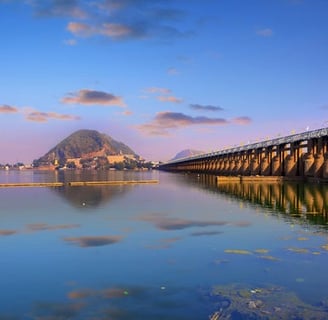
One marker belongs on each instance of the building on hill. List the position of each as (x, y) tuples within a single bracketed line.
[(99, 161)]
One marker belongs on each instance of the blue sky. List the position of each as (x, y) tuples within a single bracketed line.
[(160, 75)]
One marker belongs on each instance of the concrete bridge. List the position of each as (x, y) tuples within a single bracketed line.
[(302, 155)]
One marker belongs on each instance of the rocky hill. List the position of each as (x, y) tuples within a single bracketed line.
[(85, 144), (187, 153)]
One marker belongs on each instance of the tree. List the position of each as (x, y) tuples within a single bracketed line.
[(119, 165), (71, 165), (130, 164)]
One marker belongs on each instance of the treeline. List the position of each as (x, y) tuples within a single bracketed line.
[(14, 166)]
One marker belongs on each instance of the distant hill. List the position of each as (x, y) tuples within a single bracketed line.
[(187, 153), (84, 144)]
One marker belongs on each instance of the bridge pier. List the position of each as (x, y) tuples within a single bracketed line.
[(325, 166), (308, 164), (254, 165), (265, 167)]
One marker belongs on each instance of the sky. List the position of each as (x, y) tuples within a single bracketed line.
[(160, 75)]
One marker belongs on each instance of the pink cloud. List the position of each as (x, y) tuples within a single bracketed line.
[(164, 121), (173, 120), (59, 8), (158, 90), (169, 99), (8, 109), (115, 30), (93, 97), (39, 116), (111, 30), (81, 29), (242, 120), (127, 113)]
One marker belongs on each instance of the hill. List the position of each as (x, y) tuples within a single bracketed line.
[(186, 153), (84, 144)]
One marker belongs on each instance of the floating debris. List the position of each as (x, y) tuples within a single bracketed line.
[(268, 257), (298, 250), (261, 250), (256, 290), (215, 316), (236, 251), (325, 247), (221, 261), (302, 239)]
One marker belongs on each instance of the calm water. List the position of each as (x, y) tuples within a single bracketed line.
[(181, 249)]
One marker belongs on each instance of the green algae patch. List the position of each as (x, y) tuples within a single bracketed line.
[(221, 261), (237, 251), (302, 239), (268, 257), (263, 251), (298, 250), (325, 247), (239, 301)]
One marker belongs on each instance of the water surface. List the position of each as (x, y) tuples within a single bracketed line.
[(160, 251)]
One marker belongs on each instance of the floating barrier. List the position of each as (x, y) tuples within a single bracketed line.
[(269, 179), (105, 183), (32, 184), (75, 183)]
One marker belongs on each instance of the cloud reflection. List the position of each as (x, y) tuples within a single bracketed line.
[(45, 226), (81, 294), (7, 232), (93, 241), (164, 243), (91, 196), (205, 233), (108, 293), (165, 223), (242, 224), (57, 311)]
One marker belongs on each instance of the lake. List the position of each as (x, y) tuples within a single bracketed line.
[(185, 248)]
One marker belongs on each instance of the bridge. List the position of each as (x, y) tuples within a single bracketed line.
[(302, 155)]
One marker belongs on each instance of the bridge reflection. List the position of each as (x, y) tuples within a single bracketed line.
[(300, 200)]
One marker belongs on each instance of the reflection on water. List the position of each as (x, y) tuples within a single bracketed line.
[(308, 201), (78, 196), (90, 196), (185, 248), (13, 176)]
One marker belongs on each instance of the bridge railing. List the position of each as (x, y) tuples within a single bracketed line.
[(298, 137)]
